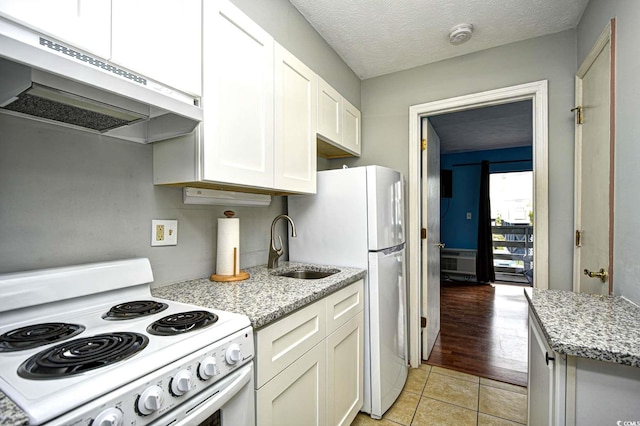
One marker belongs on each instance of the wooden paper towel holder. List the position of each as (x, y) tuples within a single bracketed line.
[(240, 276)]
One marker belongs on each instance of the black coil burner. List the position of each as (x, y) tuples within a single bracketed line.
[(182, 322), (137, 309), (82, 355), (32, 336)]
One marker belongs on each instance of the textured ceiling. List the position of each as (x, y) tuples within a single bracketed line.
[(376, 37), (494, 127)]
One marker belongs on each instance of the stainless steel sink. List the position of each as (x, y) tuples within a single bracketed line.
[(308, 275)]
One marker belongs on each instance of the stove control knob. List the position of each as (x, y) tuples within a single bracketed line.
[(208, 368), (109, 417), (181, 383), (233, 354), (150, 400)]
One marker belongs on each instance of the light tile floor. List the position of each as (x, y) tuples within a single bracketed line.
[(437, 396)]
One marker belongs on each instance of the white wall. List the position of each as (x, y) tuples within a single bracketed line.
[(69, 197), (626, 267), (385, 111)]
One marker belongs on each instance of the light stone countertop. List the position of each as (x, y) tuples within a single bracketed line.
[(604, 328), (264, 297), (10, 413)]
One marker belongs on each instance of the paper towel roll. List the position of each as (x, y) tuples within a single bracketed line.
[(228, 244)]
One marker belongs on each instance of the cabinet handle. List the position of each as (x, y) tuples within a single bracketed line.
[(548, 358)]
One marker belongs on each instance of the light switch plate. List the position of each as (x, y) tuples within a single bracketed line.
[(164, 232), (468, 215)]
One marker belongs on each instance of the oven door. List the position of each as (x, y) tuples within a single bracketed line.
[(229, 402)]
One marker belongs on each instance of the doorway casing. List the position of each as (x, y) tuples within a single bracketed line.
[(537, 92)]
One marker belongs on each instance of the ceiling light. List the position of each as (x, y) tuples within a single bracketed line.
[(460, 33)]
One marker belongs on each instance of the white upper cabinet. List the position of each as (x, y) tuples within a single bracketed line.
[(351, 128), (329, 112), (85, 24), (160, 39), (338, 124), (295, 124), (237, 98)]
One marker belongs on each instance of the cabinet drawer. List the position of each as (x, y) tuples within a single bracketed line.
[(344, 304), (286, 340)]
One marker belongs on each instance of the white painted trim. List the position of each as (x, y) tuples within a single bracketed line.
[(538, 93), (601, 43)]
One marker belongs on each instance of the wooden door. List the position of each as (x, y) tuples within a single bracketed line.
[(295, 152), (237, 98), (594, 171), (431, 245)]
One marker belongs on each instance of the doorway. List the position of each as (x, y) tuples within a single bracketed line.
[(537, 93)]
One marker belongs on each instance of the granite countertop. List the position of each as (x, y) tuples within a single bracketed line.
[(604, 328), (10, 414), (264, 297)]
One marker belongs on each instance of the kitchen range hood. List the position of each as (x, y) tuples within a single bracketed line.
[(45, 80)]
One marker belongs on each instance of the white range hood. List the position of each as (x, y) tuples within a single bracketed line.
[(45, 80)]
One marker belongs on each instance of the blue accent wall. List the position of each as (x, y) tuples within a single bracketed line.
[(456, 231)]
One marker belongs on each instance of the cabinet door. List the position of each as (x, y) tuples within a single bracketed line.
[(329, 112), (160, 39), (296, 396), (295, 124), (281, 343), (351, 128), (85, 24), (344, 304), (345, 369), (237, 98), (541, 378)]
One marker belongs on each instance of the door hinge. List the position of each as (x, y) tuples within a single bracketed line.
[(423, 234), (424, 144), (579, 115), (423, 322), (578, 238)]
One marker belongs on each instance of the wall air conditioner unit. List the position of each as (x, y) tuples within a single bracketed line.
[(458, 262), (224, 198)]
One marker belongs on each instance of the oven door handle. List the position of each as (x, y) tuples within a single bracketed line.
[(213, 403)]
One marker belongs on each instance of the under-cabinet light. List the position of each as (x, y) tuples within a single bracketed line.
[(224, 198)]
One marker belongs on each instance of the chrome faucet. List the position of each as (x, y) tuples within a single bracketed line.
[(275, 253)]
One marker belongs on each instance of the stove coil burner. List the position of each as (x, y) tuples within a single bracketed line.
[(32, 336), (81, 355), (182, 322), (137, 309)]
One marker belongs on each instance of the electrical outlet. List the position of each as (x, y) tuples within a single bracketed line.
[(164, 232), (468, 215)]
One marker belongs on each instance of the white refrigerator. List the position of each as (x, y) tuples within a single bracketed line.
[(357, 219)]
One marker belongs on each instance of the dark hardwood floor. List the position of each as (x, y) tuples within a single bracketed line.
[(483, 331)]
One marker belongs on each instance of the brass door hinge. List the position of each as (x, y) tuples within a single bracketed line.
[(423, 234), (578, 238), (424, 144), (423, 322), (579, 115)]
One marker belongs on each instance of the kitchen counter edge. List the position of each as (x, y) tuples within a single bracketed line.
[(603, 328), (10, 413), (265, 297)]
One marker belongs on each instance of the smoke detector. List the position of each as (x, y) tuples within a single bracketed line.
[(460, 33)]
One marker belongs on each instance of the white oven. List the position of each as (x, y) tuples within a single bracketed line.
[(89, 345)]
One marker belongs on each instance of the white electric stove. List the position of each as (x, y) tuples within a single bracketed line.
[(88, 344)]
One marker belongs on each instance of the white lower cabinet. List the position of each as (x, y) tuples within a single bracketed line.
[(320, 385), (570, 390), (344, 372), (296, 396)]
